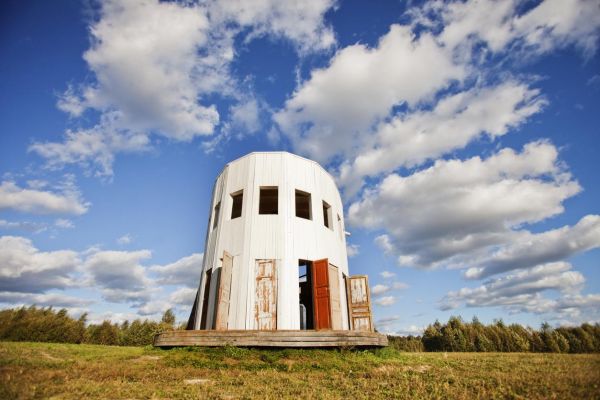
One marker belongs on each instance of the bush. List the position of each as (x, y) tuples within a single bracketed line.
[(105, 333), (48, 325), (457, 335), (41, 325), (33, 324), (406, 343)]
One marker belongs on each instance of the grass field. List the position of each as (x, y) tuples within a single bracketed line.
[(43, 370)]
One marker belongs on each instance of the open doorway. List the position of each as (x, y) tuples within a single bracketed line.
[(205, 298), (305, 294)]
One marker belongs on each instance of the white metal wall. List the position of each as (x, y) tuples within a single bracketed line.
[(283, 237)]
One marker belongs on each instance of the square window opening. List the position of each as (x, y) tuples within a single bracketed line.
[(237, 199), (216, 215), (268, 203), (303, 205), (327, 215)]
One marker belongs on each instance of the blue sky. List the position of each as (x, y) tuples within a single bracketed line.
[(464, 138)]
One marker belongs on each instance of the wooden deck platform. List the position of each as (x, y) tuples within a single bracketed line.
[(281, 338)]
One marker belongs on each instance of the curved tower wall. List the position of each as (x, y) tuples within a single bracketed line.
[(283, 237)]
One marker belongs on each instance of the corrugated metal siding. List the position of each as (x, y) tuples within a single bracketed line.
[(282, 237)]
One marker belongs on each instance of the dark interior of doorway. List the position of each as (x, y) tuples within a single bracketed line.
[(205, 298), (306, 295)]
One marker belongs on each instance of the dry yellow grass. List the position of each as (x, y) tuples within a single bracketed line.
[(66, 371)]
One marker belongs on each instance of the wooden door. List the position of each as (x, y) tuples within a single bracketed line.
[(321, 297), (224, 292), (359, 303), (334, 298), (265, 306)]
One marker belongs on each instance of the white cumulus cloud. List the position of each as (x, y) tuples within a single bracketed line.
[(534, 249), (385, 301), (352, 250), (330, 112), (27, 226), (549, 25), (184, 296), (25, 268), (154, 66), (185, 271), (459, 208), (125, 239), (120, 275), (66, 200), (456, 120), (522, 291)]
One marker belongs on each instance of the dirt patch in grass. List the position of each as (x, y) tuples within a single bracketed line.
[(49, 357), (147, 358), (197, 381)]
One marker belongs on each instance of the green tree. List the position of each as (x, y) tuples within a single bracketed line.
[(168, 318), (105, 333), (432, 337)]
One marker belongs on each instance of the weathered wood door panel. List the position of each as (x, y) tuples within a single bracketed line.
[(224, 292), (265, 306), (334, 292), (359, 303), (322, 301)]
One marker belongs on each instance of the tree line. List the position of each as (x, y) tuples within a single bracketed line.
[(457, 335), (36, 324)]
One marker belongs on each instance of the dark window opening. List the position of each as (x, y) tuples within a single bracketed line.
[(303, 205), (268, 201), (327, 215), (305, 294), (216, 216), (236, 207)]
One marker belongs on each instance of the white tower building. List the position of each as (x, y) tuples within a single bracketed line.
[(275, 255)]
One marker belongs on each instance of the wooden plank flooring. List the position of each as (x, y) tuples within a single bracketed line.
[(280, 338)]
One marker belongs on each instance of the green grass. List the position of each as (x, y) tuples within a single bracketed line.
[(67, 371)]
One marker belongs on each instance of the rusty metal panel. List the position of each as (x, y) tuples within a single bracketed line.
[(334, 294), (265, 307), (224, 292), (321, 302), (359, 303)]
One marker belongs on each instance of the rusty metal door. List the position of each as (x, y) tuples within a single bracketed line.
[(321, 299), (334, 295), (359, 303), (265, 306), (224, 292)]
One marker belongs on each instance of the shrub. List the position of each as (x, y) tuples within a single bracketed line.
[(457, 335), (47, 325), (41, 325)]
